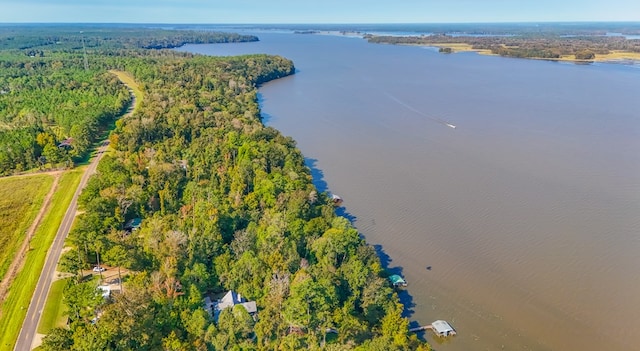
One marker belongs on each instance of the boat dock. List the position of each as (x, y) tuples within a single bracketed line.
[(440, 327), (337, 200), (397, 281)]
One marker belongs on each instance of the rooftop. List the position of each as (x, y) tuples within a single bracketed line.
[(443, 328), (230, 299), (133, 224), (397, 280)]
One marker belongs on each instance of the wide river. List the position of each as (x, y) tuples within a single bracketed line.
[(521, 225)]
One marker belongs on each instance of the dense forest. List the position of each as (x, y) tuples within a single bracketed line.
[(531, 45), (43, 104), (226, 204), (38, 39), (52, 104)]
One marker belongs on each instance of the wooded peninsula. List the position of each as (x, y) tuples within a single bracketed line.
[(566, 43), (196, 198)]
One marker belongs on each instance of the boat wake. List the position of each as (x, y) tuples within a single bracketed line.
[(411, 108)]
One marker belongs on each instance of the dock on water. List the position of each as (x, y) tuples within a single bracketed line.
[(440, 327)]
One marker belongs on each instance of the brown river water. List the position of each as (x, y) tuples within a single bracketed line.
[(520, 226)]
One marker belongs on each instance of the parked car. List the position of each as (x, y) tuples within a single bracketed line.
[(99, 269)]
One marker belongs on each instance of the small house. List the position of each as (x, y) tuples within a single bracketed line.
[(66, 144), (230, 299)]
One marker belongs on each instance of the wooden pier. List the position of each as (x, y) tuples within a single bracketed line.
[(421, 328)]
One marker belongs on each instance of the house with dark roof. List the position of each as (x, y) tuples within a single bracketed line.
[(230, 299)]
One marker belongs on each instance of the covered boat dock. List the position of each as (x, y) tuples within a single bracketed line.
[(440, 327), (397, 281)]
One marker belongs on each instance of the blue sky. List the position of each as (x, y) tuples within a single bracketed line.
[(317, 11)]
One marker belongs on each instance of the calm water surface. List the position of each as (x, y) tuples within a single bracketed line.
[(526, 212)]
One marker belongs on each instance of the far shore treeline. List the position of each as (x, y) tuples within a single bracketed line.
[(541, 45), (225, 202), (566, 41)]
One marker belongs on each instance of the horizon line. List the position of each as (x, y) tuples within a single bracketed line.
[(336, 23)]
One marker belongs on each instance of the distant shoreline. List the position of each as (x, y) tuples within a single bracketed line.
[(557, 45), (615, 56)]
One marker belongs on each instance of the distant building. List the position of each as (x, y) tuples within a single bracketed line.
[(230, 299), (66, 144)]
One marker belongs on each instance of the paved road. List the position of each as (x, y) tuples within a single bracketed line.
[(28, 331), (31, 321)]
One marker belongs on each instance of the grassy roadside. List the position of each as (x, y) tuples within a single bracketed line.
[(20, 201), (128, 80), (53, 314), (54, 310), (14, 308)]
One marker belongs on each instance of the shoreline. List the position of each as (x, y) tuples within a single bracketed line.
[(616, 56)]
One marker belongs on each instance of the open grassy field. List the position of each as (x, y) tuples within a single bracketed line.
[(618, 55), (461, 47), (20, 201), (54, 311), (14, 308)]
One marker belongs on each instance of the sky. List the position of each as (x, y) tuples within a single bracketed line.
[(316, 11)]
